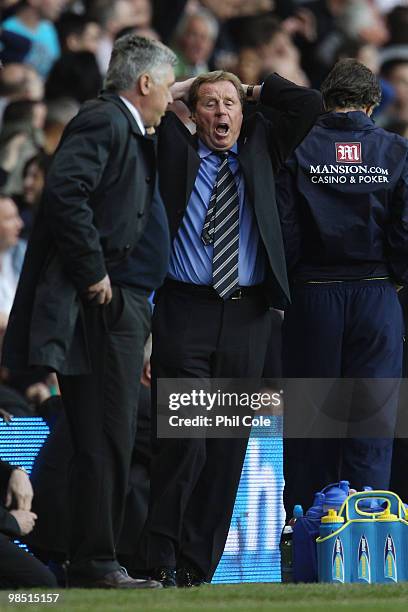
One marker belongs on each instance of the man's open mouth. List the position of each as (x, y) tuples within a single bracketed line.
[(222, 129)]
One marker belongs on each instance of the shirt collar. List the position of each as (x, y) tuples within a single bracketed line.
[(346, 121), (135, 113), (204, 151)]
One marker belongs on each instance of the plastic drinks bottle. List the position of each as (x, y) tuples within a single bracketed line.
[(286, 546)]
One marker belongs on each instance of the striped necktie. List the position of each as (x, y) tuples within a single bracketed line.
[(221, 228)]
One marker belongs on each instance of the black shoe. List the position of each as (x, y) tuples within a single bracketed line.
[(187, 577), (118, 579), (166, 576)]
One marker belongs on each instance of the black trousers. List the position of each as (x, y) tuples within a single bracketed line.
[(349, 330), (101, 411), (194, 481), (19, 569)]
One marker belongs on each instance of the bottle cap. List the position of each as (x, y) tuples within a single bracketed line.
[(386, 516), (297, 511), (332, 517)]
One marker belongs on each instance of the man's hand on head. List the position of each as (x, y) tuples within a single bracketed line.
[(180, 90), (19, 490), (101, 292)]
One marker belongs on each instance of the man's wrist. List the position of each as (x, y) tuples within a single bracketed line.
[(252, 92), (21, 468)]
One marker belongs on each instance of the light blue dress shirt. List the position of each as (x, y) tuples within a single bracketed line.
[(191, 260)]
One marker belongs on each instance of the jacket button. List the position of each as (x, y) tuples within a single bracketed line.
[(127, 247), (148, 179)]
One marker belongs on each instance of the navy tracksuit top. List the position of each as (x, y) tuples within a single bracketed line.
[(343, 200)]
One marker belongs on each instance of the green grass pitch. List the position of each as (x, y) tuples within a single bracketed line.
[(234, 598)]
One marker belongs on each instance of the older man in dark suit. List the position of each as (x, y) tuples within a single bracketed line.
[(82, 304), (211, 317)]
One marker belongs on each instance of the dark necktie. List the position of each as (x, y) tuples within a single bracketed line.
[(221, 227)]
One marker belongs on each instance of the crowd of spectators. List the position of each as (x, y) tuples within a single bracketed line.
[(55, 54)]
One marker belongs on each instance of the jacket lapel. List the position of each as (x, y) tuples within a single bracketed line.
[(245, 161), (193, 164), (115, 99)]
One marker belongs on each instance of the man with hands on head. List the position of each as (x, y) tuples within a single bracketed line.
[(212, 318), (18, 568), (97, 251)]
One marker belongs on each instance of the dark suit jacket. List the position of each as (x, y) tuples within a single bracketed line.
[(95, 205), (267, 139)]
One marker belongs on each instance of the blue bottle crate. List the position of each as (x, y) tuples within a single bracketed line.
[(369, 543)]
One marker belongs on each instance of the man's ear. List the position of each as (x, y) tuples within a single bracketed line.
[(145, 83)]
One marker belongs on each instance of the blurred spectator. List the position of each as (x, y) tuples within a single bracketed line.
[(368, 54), (146, 32), (59, 112), (33, 183), (397, 21), (142, 13), (12, 250), (13, 47), (362, 19), (19, 82), (396, 73), (194, 43), (21, 117), (78, 33), (400, 128), (397, 49), (33, 19), (276, 50), (10, 157), (113, 16), (228, 9), (249, 66), (19, 391), (316, 26), (75, 75), (165, 22)]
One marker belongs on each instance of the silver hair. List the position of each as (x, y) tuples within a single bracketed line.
[(131, 57), (200, 14)]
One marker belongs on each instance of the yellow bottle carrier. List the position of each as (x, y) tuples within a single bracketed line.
[(366, 541)]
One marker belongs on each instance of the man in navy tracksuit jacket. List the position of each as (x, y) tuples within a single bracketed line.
[(344, 211)]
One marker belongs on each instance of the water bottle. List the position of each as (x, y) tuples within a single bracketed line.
[(316, 510), (286, 546), (335, 494), (330, 522)]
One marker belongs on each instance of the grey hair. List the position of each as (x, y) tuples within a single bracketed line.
[(133, 56), (200, 14)]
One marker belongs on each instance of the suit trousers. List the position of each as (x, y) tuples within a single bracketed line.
[(101, 410), (194, 481), (345, 330)]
